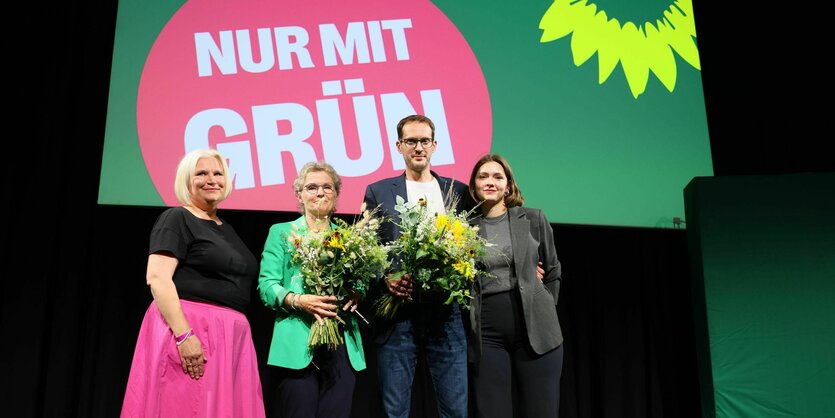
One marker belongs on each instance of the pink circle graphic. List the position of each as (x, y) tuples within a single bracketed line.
[(273, 85)]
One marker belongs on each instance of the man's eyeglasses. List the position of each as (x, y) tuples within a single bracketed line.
[(412, 142), (313, 188)]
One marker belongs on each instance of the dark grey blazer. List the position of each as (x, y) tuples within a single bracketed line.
[(532, 239)]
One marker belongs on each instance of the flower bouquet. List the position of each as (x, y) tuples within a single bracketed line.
[(438, 251), (338, 262)]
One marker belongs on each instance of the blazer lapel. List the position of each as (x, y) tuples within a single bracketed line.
[(398, 188), (444, 182), (301, 225), (448, 193)]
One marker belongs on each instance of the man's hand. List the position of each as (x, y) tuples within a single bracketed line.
[(401, 287), (352, 301)]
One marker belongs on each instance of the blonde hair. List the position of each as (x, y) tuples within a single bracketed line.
[(187, 167)]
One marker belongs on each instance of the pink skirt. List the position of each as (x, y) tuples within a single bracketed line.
[(230, 386)]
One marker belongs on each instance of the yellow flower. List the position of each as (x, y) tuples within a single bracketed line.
[(464, 268), (457, 229), (335, 241), (441, 221)]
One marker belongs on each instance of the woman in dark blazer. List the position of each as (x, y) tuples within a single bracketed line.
[(515, 347)]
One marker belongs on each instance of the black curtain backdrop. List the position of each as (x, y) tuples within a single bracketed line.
[(72, 320), (73, 292)]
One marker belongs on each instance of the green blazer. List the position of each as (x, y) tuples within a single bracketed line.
[(279, 276)]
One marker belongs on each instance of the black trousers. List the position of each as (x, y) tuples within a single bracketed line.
[(324, 389), (511, 380)]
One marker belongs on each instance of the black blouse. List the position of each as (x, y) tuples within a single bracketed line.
[(215, 266)]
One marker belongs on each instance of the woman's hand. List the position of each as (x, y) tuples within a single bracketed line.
[(191, 357), (318, 306)]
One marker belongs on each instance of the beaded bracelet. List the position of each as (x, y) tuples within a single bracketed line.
[(180, 339), (295, 300)]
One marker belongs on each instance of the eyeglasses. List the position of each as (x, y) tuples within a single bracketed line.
[(412, 142), (313, 188)]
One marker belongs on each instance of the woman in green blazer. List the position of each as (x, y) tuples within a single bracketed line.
[(311, 383)]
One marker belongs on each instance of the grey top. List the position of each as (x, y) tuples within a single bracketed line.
[(499, 261), (532, 239)]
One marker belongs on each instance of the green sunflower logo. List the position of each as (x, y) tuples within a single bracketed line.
[(640, 48)]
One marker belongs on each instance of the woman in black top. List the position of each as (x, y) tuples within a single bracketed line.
[(194, 356)]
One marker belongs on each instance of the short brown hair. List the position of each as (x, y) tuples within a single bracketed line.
[(514, 195), (416, 119)]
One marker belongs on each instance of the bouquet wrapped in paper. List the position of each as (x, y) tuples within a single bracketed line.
[(438, 251), (337, 262)]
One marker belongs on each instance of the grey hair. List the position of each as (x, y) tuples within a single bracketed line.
[(312, 167)]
